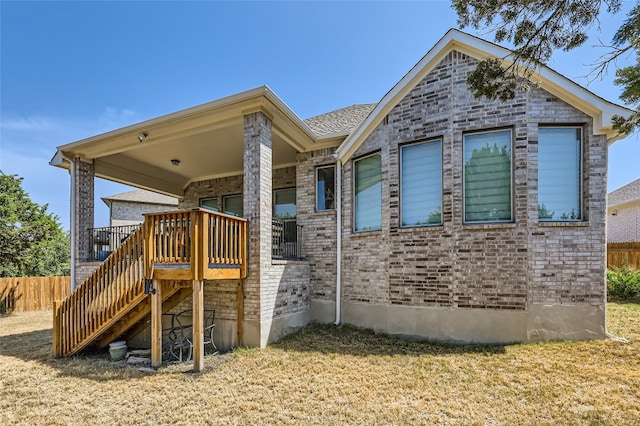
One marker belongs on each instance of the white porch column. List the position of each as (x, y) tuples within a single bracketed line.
[(258, 184), (82, 213)]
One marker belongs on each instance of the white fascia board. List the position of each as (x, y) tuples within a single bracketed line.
[(239, 100), (565, 89)]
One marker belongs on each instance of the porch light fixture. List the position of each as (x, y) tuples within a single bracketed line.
[(175, 162), (142, 136)]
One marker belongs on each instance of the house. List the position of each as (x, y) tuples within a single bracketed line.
[(623, 214), (128, 208), (430, 214)]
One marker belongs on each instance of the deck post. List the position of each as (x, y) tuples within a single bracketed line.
[(198, 325), (240, 320), (156, 325)]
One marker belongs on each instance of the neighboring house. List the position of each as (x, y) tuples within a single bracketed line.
[(128, 208), (623, 221), (430, 214)]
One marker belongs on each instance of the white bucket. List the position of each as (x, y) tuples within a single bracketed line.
[(118, 350)]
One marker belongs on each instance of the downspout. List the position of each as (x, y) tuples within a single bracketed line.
[(338, 237)]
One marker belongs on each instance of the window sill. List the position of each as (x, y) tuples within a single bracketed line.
[(288, 261), (366, 233), (482, 226), (563, 224), (325, 212), (434, 228)]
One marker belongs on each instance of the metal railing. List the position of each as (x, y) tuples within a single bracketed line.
[(286, 239), (104, 241)]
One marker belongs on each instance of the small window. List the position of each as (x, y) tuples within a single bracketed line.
[(210, 203), (284, 204), (421, 184), (368, 193), (487, 176), (232, 204), (325, 188), (559, 174)]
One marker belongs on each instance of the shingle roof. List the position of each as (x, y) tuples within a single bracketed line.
[(142, 196), (339, 121), (625, 194)]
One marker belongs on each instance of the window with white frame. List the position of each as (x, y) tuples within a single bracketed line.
[(421, 184), (487, 176), (367, 177), (325, 188), (232, 204), (284, 204), (559, 173)]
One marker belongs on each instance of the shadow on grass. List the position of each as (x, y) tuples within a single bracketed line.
[(350, 340), (91, 364)]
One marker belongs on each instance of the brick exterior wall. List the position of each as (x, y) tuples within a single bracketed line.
[(624, 226), (83, 188), (503, 266), (130, 213), (319, 228)]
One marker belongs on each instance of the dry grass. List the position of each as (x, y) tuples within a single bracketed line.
[(328, 375)]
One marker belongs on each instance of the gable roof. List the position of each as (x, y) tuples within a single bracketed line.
[(627, 194), (598, 108), (340, 121), (142, 196)]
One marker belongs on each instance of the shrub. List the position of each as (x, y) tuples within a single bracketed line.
[(623, 282)]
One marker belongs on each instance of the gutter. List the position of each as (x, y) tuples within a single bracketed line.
[(338, 237)]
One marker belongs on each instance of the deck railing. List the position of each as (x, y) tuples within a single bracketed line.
[(286, 239), (105, 240), (101, 299), (196, 239)]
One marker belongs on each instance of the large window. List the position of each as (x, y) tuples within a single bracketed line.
[(421, 184), (325, 188), (232, 204), (368, 193), (210, 203), (487, 176), (284, 205), (559, 173)]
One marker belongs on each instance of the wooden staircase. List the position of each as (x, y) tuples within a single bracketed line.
[(171, 248)]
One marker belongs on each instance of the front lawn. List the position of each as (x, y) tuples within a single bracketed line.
[(329, 375)]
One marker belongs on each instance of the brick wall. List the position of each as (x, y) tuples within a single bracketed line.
[(319, 228), (128, 213), (498, 266), (624, 226)]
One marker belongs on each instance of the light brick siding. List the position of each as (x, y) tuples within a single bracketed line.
[(129, 213), (496, 266), (84, 191), (624, 226), (319, 228)]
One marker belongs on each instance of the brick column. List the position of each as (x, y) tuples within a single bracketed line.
[(82, 188), (258, 184)]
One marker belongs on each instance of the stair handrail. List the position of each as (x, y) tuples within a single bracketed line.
[(101, 298)]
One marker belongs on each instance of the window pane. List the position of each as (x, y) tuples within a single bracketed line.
[(325, 188), (487, 176), (211, 203), (368, 193), (233, 205), (421, 180), (559, 173), (285, 204)]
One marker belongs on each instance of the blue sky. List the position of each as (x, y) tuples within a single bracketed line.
[(70, 70)]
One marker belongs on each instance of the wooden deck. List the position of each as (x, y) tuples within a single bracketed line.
[(187, 246)]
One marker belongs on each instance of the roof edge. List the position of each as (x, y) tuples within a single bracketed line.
[(598, 108)]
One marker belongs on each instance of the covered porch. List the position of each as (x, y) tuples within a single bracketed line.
[(237, 152)]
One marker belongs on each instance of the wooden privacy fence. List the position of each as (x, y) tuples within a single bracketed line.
[(24, 294), (618, 252)]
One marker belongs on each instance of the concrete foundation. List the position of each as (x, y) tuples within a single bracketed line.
[(538, 323)]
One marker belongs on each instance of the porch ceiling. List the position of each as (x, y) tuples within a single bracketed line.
[(208, 140)]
